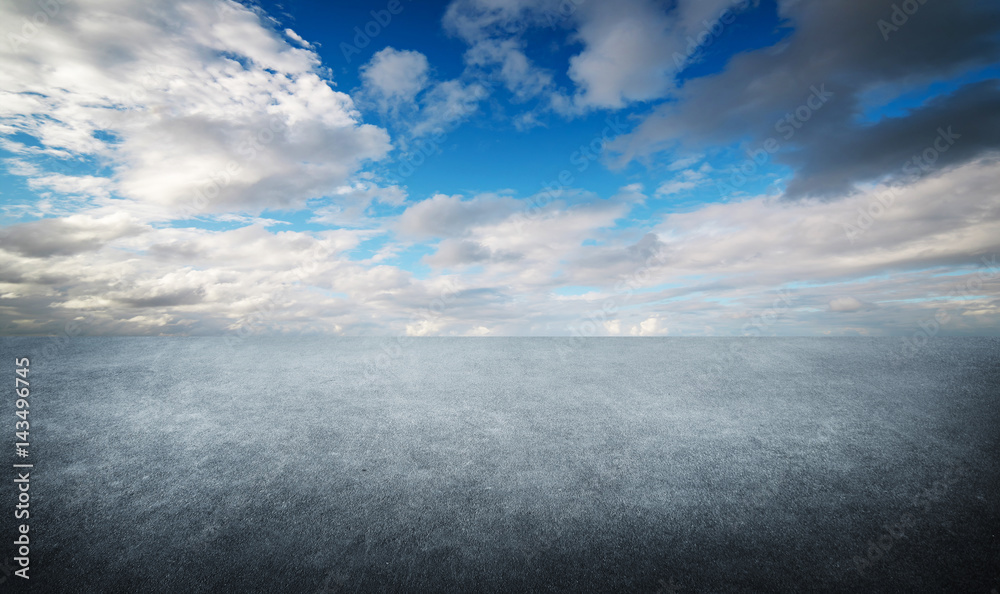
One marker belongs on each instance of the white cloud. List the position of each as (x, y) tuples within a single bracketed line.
[(347, 206), (446, 104), (767, 241), (395, 76), (651, 326), (459, 252), (422, 328), (227, 107), (298, 39), (846, 303), (399, 83), (632, 48), (451, 216), (226, 117), (685, 162), (519, 75), (717, 266), (626, 55), (494, 31), (685, 180), (632, 193)]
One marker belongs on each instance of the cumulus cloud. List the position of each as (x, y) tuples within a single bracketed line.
[(446, 104), (395, 76), (515, 70), (194, 281), (946, 131), (495, 34), (651, 326), (348, 206), (722, 265), (444, 216), (226, 117), (940, 220), (399, 83), (632, 50)]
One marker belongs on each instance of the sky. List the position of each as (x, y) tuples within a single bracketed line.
[(500, 168)]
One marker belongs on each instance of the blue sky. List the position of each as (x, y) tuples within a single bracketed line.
[(499, 167)]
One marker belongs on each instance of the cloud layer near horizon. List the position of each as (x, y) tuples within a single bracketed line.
[(160, 144)]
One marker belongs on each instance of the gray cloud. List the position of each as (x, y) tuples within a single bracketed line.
[(450, 216), (839, 44), (714, 266), (620, 260), (72, 235), (189, 296), (224, 117), (453, 252), (947, 131)]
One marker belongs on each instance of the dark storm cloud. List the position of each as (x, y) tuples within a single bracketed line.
[(840, 45), (948, 130)]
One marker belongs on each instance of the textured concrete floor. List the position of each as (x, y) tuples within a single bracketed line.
[(499, 465)]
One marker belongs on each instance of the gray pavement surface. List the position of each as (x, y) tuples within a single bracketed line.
[(508, 464)]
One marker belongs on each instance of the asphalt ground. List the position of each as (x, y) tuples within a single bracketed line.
[(506, 465)]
